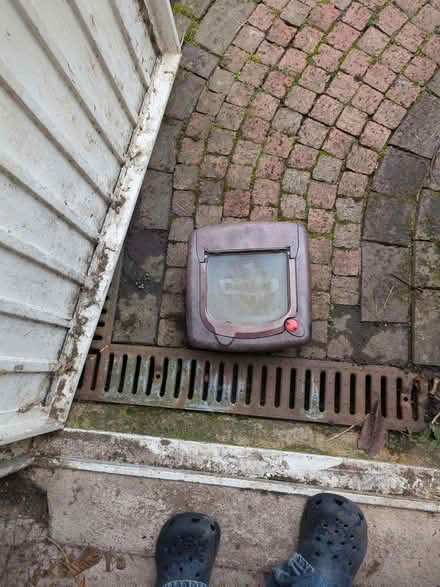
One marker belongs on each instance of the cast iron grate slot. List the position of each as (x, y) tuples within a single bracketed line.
[(415, 393), (269, 386), (367, 394), (136, 374), (383, 396), (307, 388), (337, 393), (178, 378), (95, 371), (221, 374), (352, 393), (263, 386), (150, 377), (399, 398), (234, 387), (249, 380), (192, 379), (164, 377), (322, 390), (109, 372), (278, 387), (292, 389), (206, 381), (122, 375)]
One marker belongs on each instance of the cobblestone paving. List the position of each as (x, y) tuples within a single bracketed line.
[(322, 112)]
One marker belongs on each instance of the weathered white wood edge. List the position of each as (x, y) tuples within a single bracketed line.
[(164, 26), (367, 482), (14, 465), (17, 426)]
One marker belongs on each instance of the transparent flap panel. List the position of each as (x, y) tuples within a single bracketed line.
[(248, 288)]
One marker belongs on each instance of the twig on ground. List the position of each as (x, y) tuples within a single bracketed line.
[(63, 552), (341, 433), (419, 289), (387, 298)]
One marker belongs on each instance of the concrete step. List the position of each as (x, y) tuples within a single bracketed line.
[(124, 514), (114, 492), (28, 556)]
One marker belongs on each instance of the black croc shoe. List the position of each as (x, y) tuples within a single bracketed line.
[(333, 538), (186, 549)]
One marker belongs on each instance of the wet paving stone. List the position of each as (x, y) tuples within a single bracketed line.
[(400, 174), (384, 297)]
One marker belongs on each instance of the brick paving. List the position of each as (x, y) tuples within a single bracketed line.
[(286, 110)]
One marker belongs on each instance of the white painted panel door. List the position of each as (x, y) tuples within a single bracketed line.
[(83, 87)]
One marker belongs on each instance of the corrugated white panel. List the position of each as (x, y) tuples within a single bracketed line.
[(138, 43), (26, 146), (26, 282), (20, 338), (102, 28), (75, 77), (22, 390), (30, 221)]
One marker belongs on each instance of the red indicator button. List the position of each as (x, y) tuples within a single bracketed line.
[(291, 325)]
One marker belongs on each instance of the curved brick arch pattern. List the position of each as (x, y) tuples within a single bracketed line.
[(288, 110)]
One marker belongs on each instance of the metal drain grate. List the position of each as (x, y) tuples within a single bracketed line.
[(271, 387)]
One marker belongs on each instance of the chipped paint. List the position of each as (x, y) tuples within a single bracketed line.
[(368, 482)]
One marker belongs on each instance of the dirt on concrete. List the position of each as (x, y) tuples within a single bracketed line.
[(20, 497)]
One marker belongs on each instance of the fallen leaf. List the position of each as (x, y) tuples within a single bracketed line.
[(372, 437), (88, 559)]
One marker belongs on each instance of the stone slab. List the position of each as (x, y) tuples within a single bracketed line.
[(387, 344), (365, 342), (426, 331), (400, 174), (28, 558), (428, 222), (384, 298), (154, 202), (427, 264), (420, 131), (388, 220), (433, 179), (184, 95), (197, 7), (138, 306), (222, 22), (434, 84), (259, 528), (198, 61), (164, 153), (344, 324), (182, 25)]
